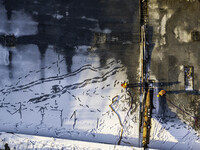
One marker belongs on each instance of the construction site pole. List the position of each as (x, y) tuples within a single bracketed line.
[(145, 107)]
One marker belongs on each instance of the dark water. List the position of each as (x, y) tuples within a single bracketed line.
[(66, 24)]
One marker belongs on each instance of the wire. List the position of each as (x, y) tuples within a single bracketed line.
[(197, 119)]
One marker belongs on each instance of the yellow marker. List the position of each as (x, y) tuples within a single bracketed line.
[(161, 93), (124, 85)]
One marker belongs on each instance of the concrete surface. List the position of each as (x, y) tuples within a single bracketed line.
[(172, 48)]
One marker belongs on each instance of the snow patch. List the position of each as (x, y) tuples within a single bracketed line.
[(73, 105), (4, 56), (98, 29), (155, 15), (82, 49), (153, 4), (35, 13), (181, 68), (164, 20), (21, 141), (172, 134), (107, 31), (89, 19), (58, 16), (182, 35)]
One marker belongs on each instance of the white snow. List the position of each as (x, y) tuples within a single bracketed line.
[(182, 35), (164, 20), (4, 55), (153, 4), (188, 88), (107, 31), (167, 131), (155, 15), (35, 12), (71, 105), (173, 134), (98, 29), (89, 19), (58, 16), (20, 141)]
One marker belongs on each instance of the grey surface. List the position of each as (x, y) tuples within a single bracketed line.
[(177, 54)]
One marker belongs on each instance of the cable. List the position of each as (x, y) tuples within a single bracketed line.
[(197, 119)]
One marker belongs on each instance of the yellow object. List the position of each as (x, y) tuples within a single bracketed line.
[(144, 141), (148, 103), (124, 85), (161, 93), (144, 134), (146, 119)]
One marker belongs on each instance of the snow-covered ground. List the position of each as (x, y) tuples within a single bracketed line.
[(169, 132), (71, 105), (20, 141)]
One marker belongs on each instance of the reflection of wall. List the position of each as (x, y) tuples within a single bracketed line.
[(66, 24)]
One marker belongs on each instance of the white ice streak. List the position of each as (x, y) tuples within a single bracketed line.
[(4, 56), (58, 16), (164, 20), (20, 141), (89, 19), (98, 29)]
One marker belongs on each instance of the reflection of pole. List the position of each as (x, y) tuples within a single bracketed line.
[(42, 49), (142, 56), (42, 111), (10, 64), (61, 117), (20, 110), (142, 78)]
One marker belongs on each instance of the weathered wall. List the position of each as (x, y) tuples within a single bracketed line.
[(173, 48)]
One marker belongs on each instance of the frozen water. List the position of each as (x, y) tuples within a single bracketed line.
[(47, 100)]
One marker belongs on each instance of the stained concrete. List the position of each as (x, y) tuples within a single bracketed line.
[(172, 49)]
